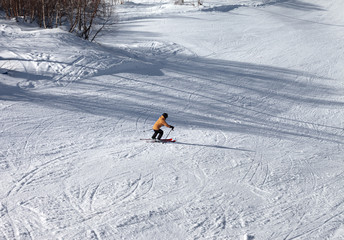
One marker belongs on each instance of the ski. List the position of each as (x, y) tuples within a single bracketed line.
[(164, 140), (167, 140)]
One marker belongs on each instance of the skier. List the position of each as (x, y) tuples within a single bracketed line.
[(158, 124)]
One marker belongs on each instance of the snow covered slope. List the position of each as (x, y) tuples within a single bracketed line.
[(253, 88)]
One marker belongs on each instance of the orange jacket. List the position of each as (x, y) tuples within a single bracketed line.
[(161, 121)]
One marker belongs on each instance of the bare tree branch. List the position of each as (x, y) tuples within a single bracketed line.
[(84, 17)]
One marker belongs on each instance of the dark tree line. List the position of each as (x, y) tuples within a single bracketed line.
[(85, 17)]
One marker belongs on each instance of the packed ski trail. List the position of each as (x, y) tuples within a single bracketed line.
[(253, 88)]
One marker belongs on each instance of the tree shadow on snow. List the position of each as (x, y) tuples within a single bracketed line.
[(223, 8), (24, 75), (297, 4), (200, 93)]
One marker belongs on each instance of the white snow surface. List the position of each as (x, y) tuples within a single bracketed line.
[(255, 90)]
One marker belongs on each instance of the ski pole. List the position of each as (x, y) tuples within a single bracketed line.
[(169, 133)]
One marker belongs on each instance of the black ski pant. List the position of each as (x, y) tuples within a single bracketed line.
[(156, 132)]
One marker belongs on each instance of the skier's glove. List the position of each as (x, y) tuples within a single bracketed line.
[(172, 127)]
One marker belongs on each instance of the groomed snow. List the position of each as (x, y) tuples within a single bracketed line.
[(255, 90)]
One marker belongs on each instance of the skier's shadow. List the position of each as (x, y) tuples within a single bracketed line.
[(212, 146)]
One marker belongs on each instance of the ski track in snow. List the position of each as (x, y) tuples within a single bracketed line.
[(258, 122)]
